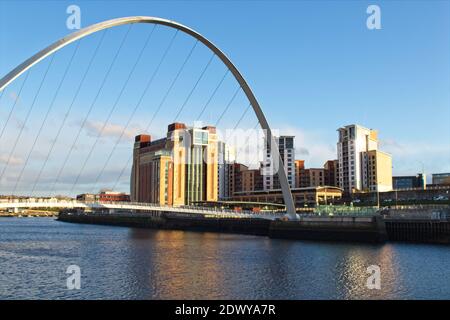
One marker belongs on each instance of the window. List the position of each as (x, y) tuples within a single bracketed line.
[(200, 137), (290, 143)]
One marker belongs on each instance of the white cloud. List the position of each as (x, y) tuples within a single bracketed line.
[(13, 161), (413, 157), (94, 128), (14, 97), (403, 148), (65, 185), (311, 146)]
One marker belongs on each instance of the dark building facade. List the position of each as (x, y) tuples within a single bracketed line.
[(441, 178), (409, 182)]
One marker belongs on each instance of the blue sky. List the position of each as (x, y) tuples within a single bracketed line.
[(313, 65)]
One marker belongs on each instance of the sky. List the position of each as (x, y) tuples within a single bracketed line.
[(314, 66)]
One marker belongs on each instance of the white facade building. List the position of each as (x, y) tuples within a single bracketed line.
[(269, 170), (227, 156), (353, 141)]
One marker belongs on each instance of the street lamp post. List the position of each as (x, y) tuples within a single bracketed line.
[(378, 198)]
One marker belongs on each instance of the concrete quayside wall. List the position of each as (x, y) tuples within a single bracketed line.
[(359, 229)]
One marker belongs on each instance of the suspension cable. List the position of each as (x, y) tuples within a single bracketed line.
[(242, 116), (172, 85), (100, 133), (44, 121), (1, 94), (213, 94), (91, 107), (246, 144), (161, 104), (27, 116), (136, 107), (195, 86), (69, 110), (228, 105), (14, 104)]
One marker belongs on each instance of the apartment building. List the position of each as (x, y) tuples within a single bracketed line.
[(331, 171), (377, 171), (269, 166), (353, 147), (226, 157)]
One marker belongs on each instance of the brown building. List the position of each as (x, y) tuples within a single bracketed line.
[(313, 177), (177, 170), (152, 168), (104, 196), (252, 180), (299, 167), (331, 173), (235, 180), (111, 196)]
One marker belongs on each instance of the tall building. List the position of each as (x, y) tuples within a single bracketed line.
[(331, 171), (409, 182), (201, 165), (353, 147), (299, 167), (312, 177), (377, 171), (152, 170), (177, 170), (235, 179), (226, 156), (268, 168)]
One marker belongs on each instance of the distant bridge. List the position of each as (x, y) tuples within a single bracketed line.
[(113, 207)]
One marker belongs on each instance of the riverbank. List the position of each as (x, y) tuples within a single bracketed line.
[(335, 228), (28, 214), (353, 229)]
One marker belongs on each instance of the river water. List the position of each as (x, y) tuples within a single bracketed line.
[(127, 263)]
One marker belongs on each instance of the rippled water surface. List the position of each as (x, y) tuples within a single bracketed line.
[(125, 263)]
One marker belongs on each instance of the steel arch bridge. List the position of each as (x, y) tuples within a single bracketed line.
[(14, 74)]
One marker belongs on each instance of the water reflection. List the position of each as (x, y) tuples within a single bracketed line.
[(125, 263)]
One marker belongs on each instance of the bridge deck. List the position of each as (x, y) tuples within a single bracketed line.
[(135, 206)]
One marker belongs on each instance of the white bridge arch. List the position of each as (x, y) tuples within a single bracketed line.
[(11, 76)]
